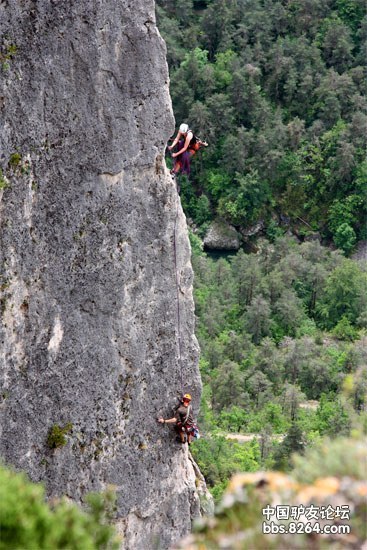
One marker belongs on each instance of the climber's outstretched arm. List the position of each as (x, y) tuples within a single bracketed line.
[(168, 421)]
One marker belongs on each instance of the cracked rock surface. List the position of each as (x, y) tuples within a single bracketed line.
[(88, 297)]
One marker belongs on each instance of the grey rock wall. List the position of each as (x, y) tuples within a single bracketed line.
[(88, 295)]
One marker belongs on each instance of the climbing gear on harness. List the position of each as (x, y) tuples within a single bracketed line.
[(195, 431), (183, 425)]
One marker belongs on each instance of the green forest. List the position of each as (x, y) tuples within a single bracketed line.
[(283, 353), (278, 91)]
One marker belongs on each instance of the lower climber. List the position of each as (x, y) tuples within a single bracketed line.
[(188, 145), (183, 420)]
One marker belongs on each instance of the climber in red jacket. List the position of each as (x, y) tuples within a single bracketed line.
[(188, 145)]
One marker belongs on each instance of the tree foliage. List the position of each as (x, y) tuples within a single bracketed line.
[(27, 521), (280, 333), (278, 91)]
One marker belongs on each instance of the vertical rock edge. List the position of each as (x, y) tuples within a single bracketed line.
[(88, 298)]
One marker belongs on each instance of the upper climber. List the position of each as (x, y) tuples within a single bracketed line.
[(188, 145)]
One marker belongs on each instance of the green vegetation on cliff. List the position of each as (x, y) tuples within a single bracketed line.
[(27, 521)]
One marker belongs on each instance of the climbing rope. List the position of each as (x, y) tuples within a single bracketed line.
[(178, 298), (178, 283)]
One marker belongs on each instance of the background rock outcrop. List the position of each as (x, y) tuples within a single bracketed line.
[(89, 220), (221, 236)]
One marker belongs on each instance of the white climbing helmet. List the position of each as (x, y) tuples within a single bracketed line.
[(184, 128)]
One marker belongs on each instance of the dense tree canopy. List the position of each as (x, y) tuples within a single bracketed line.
[(281, 332), (277, 88)]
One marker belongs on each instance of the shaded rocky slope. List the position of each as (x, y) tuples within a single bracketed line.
[(89, 335)]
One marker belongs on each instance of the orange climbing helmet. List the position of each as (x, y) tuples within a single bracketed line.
[(186, 397)]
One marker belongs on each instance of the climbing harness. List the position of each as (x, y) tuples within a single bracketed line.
[(182, 424), (191, 428)]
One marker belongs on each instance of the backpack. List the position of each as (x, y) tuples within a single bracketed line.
[(195, 144), (194, 139), (195, 431)]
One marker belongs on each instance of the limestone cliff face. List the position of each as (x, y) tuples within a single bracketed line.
[(89, 332)]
